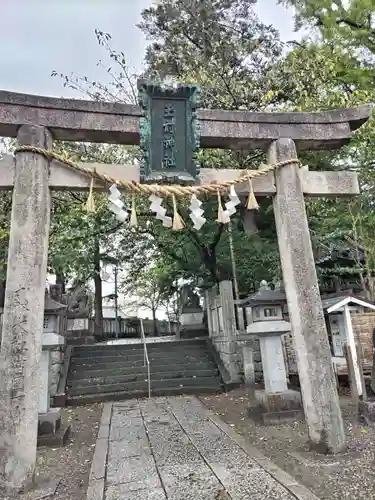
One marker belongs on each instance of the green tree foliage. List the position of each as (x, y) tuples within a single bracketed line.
[(348, 22), (233, 63), (152, 288), (204, 256), (221, 44), (5, 210), (80, 241), (241, 64), (6, 147), (342, 64)]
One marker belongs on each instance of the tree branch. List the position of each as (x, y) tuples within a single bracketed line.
[(95, 234), (217, 238), (355, 25), (194, 238), (168, 250), (348, 22)]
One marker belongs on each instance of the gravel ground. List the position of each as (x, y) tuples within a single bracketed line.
[(350, 475), (71, 463)]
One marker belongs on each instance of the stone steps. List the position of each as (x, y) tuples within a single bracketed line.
[(136, 366), (157, 372), (134, 356), (179, 344), (138, 377), (87, 399), (138, 360), (102, 351), (176, 368), (143, 385)]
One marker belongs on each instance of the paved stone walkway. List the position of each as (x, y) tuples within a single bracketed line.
[(174, 448)]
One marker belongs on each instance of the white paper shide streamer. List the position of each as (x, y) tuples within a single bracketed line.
[(230, 206), (196, 212), (116, 205), (160, 211)]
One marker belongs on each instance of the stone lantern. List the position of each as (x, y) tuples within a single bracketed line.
[(276, 402), (54, 313), (49, 425)]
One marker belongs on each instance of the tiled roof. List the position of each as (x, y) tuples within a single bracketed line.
[(264, 297)]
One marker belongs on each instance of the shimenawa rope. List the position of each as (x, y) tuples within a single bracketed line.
[(157, 189)]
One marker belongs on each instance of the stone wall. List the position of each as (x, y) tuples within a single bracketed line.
[(229, 342), (231, 355), (79, 331), (223, 332)]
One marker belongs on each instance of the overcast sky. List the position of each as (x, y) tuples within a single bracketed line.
[(38, 36)]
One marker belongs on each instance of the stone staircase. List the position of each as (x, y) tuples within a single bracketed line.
[(79, 337), (115, 372)]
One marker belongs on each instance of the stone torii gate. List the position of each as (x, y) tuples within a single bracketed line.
[(37, 121)]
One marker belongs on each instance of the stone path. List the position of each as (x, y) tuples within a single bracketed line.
[(174, 448)]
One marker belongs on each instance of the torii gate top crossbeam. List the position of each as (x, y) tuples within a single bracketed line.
[(79, 120)]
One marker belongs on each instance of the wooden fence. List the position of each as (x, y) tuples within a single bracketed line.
[(129, 328)]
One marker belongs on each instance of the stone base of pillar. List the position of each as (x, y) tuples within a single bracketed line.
[(271, 409), (51, 432)]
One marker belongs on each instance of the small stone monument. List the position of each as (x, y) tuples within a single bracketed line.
[(79, 308), (276, 403), (50, 431), (191, 317), (77, 303)]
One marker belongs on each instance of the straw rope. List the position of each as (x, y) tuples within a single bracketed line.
[(163, 190)]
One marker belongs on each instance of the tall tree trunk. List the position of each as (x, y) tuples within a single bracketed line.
[(210, 262), (248, 220), (156, 333), (98, 291), (2, 292), (60, 280)]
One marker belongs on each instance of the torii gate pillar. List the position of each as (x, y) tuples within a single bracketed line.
[(23, 312), (319, 394)]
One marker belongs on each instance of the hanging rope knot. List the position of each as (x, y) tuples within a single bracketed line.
[(177, 220)]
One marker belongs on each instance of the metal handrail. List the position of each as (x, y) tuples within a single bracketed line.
[(146, 359)]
